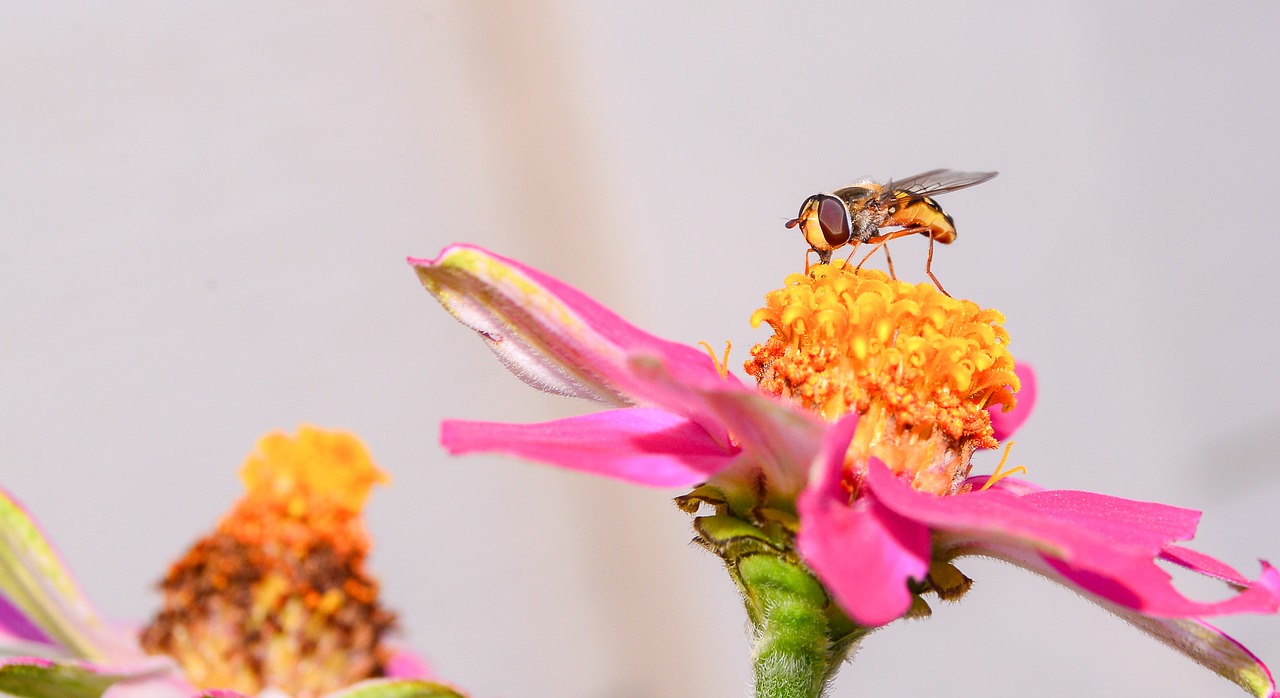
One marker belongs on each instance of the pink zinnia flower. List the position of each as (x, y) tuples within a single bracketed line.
[(275, 599), (851, 453)]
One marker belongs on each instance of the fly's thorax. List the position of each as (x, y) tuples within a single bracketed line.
[(919, 367)]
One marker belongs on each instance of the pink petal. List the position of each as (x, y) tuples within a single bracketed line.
[(16, 628), (640, 445), (1104, 545), (161, 687), (776, 437), (1125, 520), (551, 335), (406, 664), (1143, 586), (865, 553), (1006, 423), (994, 513), (1070, 525), (1212, 567)]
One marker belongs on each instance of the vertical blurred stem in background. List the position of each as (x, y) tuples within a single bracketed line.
[(552, 183)]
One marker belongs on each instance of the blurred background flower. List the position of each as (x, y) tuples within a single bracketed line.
[(276, 600), (208, 208)]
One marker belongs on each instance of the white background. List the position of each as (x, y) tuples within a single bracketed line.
[(205, 207)]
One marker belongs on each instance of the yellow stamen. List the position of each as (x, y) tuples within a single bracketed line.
[(919, 366), (997, 476), (722, 365)]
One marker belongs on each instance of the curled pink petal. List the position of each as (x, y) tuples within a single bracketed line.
[(548, 333), (1006, 423), (642, 445), (865, 553), (1201, 642), (1138, 583)]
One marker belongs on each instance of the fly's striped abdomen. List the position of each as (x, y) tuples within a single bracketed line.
[(923, 213)]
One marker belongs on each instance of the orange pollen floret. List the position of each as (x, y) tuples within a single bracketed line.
[(329, 465), (303, 487), (919, 366)]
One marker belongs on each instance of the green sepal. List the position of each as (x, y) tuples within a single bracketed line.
[(53, 681), (731, 537), (397, 688), (769, 576), (702, 494), (948, 581), (777, 519)]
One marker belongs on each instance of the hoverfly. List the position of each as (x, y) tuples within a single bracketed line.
[(856, 213)]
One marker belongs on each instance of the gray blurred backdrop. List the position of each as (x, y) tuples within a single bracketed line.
[(206, 209)]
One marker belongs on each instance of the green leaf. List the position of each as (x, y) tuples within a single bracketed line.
[(397, 688), (29, 680)]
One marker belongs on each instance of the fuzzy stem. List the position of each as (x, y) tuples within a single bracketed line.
[(793, 654)]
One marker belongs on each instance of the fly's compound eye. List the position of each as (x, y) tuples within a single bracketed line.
[(834, 219)]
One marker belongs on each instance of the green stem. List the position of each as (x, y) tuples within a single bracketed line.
[(797, 644), (799, 636)]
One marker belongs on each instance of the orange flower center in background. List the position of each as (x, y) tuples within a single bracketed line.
[(277, 596), (919, 367)]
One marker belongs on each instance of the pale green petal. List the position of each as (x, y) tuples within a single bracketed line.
[(1210, 648), (35, 580)]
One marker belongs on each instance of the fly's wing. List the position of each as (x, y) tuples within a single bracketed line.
[(936, 182)]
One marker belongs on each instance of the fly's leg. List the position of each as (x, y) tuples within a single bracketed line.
[(928, 267), (888, 258), (853, 247), (868, 256)]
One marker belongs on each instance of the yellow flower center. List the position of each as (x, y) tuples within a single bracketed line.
[(919, 367), (278, 595)]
